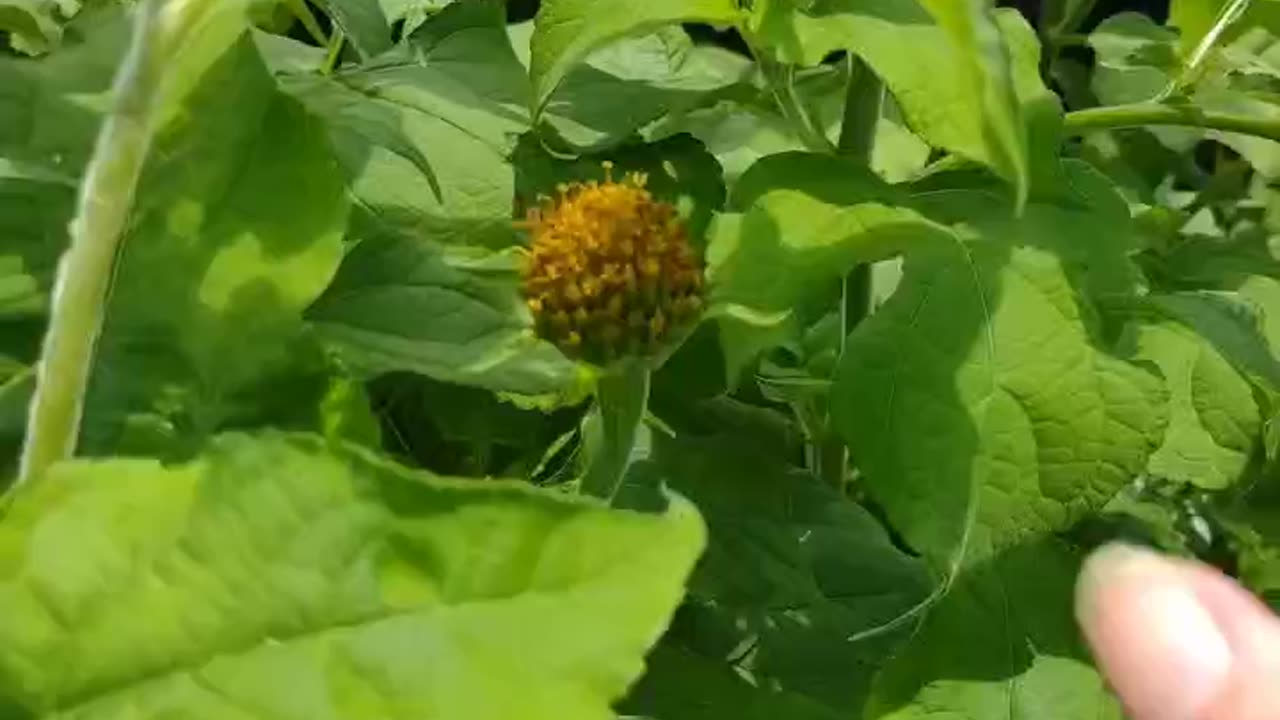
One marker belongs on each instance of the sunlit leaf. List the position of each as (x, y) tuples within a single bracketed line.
[(277, 576)]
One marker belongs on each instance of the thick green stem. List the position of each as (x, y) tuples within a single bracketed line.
[(864, 101), (622, 396), (84, 273), (1142, 114)]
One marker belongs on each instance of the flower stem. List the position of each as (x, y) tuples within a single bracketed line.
[(621, 399), (84, 273), (1141, 114)]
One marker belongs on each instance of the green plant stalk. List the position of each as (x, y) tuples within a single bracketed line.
[(85, 270), (335, 52), (863, 105), (622, 397), (1142, 114)]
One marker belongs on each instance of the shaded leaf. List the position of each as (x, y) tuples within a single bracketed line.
[(277, 576), (452, 100), (1003, 643), (807, 586), (400, 303)]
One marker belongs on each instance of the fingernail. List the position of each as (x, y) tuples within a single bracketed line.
[(1161, 649)]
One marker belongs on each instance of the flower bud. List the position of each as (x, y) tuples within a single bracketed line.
[(616, 264)]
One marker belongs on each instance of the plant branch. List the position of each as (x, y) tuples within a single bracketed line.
[(1141, 114), (622, 396), (335, 52), (85, 270), (864, 101)]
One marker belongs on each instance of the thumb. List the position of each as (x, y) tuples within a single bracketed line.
[(1179, 640)]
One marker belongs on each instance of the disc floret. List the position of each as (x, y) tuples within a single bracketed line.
[(610, 271)]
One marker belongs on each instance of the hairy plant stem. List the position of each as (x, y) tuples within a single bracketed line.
[(1141, 114), (864, 101), (622, 396), (85, 270)]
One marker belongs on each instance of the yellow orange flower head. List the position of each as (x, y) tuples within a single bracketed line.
[(610, 271)]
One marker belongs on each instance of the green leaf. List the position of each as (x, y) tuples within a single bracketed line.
[(976, 400), (277, 576), (32, 25), (1213, 418), (1002, 644), (452, 99), (1136, 59), (632, 84), (237, 227), (359, 121), (412, 12), (808, 220), (805, 580), (48, 120), (955, 86), (682, 685), (566, 31), (363, 23), (1253, 523), (401, 303)]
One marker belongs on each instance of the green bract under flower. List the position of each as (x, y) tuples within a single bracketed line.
[(610, 272)]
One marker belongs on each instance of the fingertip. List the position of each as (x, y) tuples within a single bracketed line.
[(1160, 647)]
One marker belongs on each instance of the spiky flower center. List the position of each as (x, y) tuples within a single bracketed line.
[(610, 271)]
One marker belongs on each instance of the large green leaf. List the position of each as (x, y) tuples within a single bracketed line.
[(1002, 644), (805, 580), (955, 85), (423, 132), (976, 399), (236, 228), (567, 31), (401, 303), (279, 578)]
